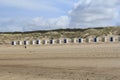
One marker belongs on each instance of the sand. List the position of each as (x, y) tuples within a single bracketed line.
[(60, 62)]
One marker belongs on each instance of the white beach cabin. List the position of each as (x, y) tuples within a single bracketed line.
[(20, 43), (38, 42), (59, 41), (112, 39), (88, 40), (104, 39), (52, 41), (45, 42), (33, 42), (96, 39), (74, 40), (118, 39), (80, 40), (13, 43), (26, 43), (65, 41)]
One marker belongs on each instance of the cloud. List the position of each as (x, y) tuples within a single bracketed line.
[(92, 13), (24, 14), (40, 23), (31, 24), (11, 24), (84, 14)]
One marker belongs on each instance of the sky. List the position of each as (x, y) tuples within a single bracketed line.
[(30, 15)]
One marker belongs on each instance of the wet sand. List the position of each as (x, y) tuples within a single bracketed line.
[(61, 62)]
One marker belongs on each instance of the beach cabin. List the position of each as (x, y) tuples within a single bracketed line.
[(65, 41), (112, 39), (38, 42), (104, 39), (118, 39), (26, 43), (45, 42), (60, 41), (52, 41), (20, 42), (74, 40), (88, 40), (13, 43), (96, 39), (80, 40), (33, 42)]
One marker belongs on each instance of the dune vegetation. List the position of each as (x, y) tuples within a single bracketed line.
[(6, 37)]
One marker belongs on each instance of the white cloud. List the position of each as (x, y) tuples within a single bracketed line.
[(86, 13), (38, 23), (92, 13), (52, 10)]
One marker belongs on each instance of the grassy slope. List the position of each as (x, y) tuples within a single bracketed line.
[(59, 33)]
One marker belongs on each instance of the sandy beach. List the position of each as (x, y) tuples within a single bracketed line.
[(60, 62)]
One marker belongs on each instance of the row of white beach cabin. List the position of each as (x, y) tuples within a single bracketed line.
[(66, 41)]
